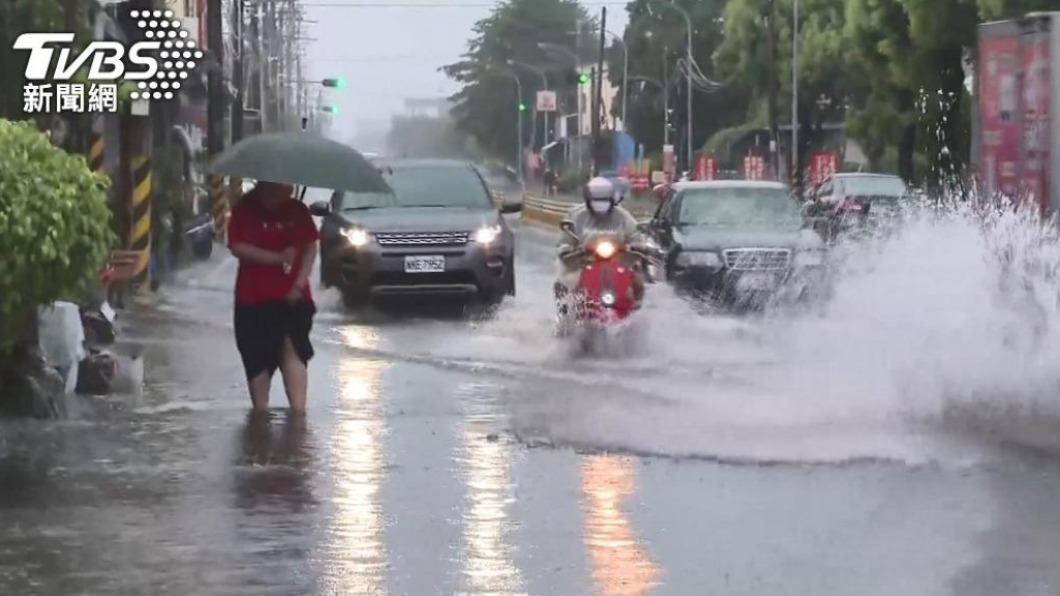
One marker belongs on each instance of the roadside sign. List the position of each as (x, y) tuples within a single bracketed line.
[(546, 101), (754, 167)]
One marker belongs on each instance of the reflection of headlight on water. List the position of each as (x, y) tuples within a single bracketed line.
[(487, 234), (607, 298), (356, 236)]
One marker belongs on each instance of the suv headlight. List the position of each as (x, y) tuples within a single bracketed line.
[(699, 259), (487, 234), (809, 258), (357, 237)]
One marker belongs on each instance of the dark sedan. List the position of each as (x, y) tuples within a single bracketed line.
[(737, 241), (438, 233)]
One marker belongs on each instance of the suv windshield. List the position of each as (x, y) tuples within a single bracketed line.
[(873, 186), (739, 207), (424, 186)]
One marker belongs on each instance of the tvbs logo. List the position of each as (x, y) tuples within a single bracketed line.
[(157, 66)]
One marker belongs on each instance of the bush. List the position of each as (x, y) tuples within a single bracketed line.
[(54, 226)]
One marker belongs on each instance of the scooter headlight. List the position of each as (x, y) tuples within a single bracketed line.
[(356, 236), (605, 249), (607, 298)]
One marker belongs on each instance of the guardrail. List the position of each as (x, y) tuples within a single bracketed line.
[(546, 211), (551, 212)]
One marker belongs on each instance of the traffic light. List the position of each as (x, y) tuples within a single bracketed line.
[(333, 110), (583, 78), (522, 107), (336, 83)]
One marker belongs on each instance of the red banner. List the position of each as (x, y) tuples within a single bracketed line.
[(823, 165), (706, 168), (1036, 118), (754, 167), (999, 113)]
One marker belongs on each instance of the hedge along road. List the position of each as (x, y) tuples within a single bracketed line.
[(446, 454)]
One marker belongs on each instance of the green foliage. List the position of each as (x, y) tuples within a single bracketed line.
[(656, 37), (483, 107), (54, 225)]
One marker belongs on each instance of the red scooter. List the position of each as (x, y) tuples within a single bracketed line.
[(608, 289)]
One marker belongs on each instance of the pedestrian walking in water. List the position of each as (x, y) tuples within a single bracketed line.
[(274, 237)]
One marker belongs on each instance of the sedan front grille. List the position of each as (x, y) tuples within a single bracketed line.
[(757, 259), (422, 238)]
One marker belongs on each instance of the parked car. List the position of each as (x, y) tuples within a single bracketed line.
[(738, 242), (856, 201), (438, 233)]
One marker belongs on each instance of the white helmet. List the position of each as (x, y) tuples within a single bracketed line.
[(600, 195)]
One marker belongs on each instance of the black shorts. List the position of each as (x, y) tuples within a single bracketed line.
[(260, 331)]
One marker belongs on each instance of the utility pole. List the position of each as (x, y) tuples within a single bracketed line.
[(771, 49), (796, 169), (666, 96), (598, 85), (215, 107), (263, 70), (237, 71)]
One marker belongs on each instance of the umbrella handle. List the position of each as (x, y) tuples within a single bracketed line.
[(301, 196)]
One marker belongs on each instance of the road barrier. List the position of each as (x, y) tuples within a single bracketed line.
[(544, 211), (95, 153), (219, 204), (140, 236), (552, 211)]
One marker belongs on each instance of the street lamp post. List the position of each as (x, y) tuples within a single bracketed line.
[(544, 82), (688, 79), (556, 48), (795, 94), (519, 123)]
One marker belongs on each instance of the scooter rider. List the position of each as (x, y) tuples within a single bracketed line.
[(601, 212)]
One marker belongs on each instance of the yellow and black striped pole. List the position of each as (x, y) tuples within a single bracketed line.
[(95, 152), (235, 191), (219, 204), (140, 237)]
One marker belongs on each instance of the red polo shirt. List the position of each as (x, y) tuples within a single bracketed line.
[(290, 224)]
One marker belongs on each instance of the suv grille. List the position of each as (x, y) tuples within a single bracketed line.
[(757, 259), (422, 238)]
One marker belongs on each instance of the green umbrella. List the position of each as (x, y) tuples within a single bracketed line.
[(301, 159)]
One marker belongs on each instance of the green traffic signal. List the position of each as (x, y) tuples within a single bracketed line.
[(336, 83), (330, 109), (583, 79), (522, 107)]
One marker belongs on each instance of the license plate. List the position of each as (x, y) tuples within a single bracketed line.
[(427, 264), (756, 281)]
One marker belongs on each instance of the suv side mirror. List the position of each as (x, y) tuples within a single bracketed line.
[(320, 209)]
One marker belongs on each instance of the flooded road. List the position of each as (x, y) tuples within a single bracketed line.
[(445, 454)]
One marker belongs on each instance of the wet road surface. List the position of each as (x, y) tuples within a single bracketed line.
[(449, 454)]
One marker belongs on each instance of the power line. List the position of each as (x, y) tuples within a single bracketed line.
[(408, 4)]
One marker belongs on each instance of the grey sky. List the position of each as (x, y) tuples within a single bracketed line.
[(389, 51)]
